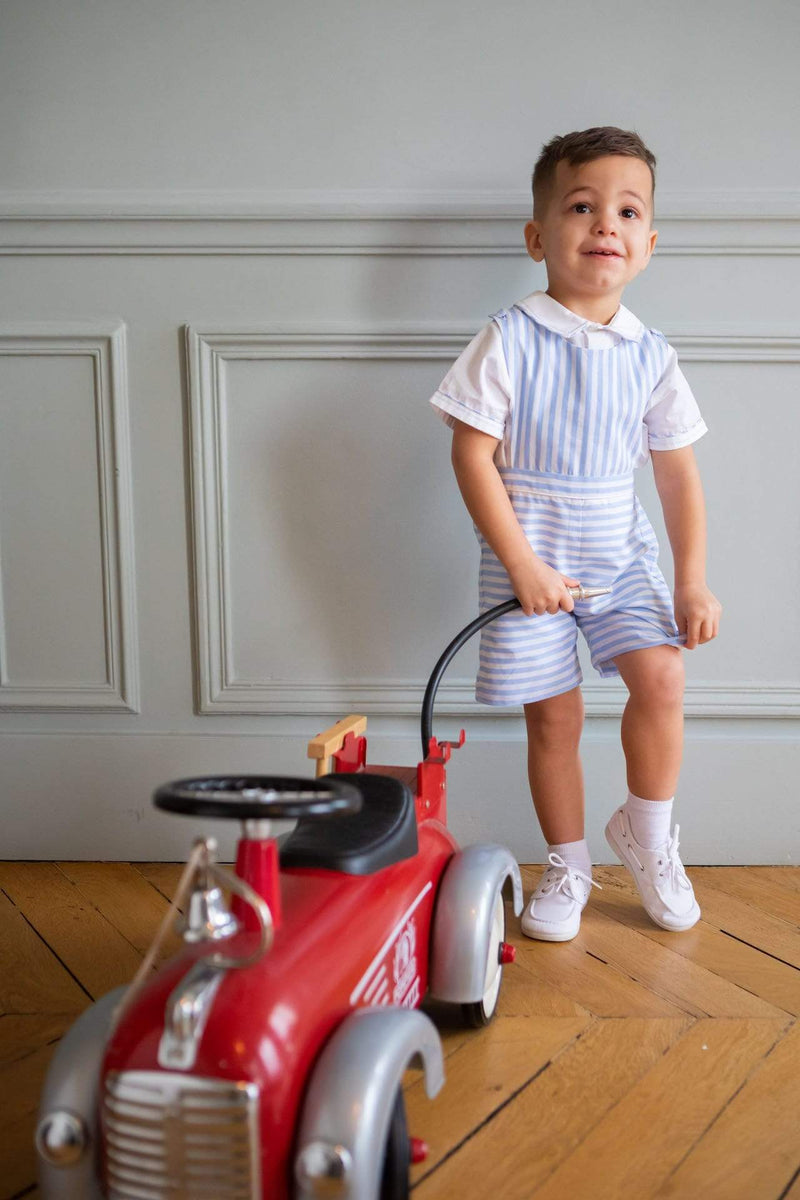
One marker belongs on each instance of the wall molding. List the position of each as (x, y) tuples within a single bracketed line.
[(745, 222), (105, 344), (357, 203), (393, 698), (216, 690)]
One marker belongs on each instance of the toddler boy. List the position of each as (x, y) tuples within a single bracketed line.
[(553, 405)]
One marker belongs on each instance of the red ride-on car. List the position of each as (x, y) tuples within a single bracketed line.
[(265, 1061)]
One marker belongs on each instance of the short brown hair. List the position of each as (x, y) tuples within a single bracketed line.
[(580, 147)]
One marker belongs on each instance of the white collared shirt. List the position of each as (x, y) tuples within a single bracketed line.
[(579, 330), (477, 389)]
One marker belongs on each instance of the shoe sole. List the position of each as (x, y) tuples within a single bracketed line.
[(550, 937), (614, 844)]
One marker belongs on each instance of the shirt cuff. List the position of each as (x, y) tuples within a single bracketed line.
[(678, 439), (447, 407)]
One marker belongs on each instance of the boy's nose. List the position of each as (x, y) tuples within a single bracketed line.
[(605, 223)]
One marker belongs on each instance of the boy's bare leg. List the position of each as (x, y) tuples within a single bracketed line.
[(554, 766), (652, 738), (652, 723)]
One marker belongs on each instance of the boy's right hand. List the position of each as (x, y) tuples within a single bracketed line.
[(540, 588)]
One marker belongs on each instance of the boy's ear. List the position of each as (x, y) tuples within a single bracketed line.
[(533, 241), (652, 243)]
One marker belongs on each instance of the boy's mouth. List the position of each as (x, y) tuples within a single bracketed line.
[(604, 253)]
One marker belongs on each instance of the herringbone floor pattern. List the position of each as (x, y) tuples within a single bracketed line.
[(629, 1063)]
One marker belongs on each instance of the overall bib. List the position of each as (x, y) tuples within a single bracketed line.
[(574, 436)]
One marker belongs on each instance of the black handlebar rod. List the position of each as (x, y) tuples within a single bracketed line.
[(577, 591), (443, 663)]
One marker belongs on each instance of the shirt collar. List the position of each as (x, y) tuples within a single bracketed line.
[(555, 316)]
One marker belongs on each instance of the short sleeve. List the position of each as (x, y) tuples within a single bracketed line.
[(477, 388), (672, 418)]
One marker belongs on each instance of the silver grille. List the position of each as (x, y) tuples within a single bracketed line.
[(176, 1137)]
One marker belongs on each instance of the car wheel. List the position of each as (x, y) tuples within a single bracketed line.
[(397, 1156), (481, 1011)]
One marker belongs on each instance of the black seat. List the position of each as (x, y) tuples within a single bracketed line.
[(382, 833)]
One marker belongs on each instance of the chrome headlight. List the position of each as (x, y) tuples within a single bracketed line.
[(324, 1168), (61, 1138)]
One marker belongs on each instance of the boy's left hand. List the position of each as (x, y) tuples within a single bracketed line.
[(697, 613)]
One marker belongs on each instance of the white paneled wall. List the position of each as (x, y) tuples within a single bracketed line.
[(227, 516), (66, 538)]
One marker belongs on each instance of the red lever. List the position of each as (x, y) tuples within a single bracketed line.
[(508, 953)]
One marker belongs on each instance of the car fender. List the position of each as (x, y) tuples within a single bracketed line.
[(462, 920), (71, 1086), (348, 1105)]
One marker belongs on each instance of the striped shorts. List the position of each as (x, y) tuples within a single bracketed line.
[(593, 530)]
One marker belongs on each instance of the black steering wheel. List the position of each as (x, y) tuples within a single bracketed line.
[(258, 796)]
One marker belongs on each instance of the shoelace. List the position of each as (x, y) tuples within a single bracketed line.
[(676, 875), (566, 873)]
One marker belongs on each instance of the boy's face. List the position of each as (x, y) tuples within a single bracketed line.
[(601, 205)]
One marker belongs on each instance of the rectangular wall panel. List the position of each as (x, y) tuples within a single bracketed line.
[(327, 524), (66, 572)]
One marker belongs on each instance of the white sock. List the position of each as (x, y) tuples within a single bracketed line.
[(650, 820), (574, 854)]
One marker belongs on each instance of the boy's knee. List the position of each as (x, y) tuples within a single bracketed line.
[(557, 720), (664, 681)]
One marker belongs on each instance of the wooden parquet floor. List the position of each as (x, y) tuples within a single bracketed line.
[(629, 1063)]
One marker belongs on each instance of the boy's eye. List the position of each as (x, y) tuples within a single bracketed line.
[(582, 204)]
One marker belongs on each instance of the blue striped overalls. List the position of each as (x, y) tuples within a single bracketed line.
[(573, 438)]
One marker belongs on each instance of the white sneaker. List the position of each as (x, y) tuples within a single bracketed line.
[(554, 910), (665, 889)]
